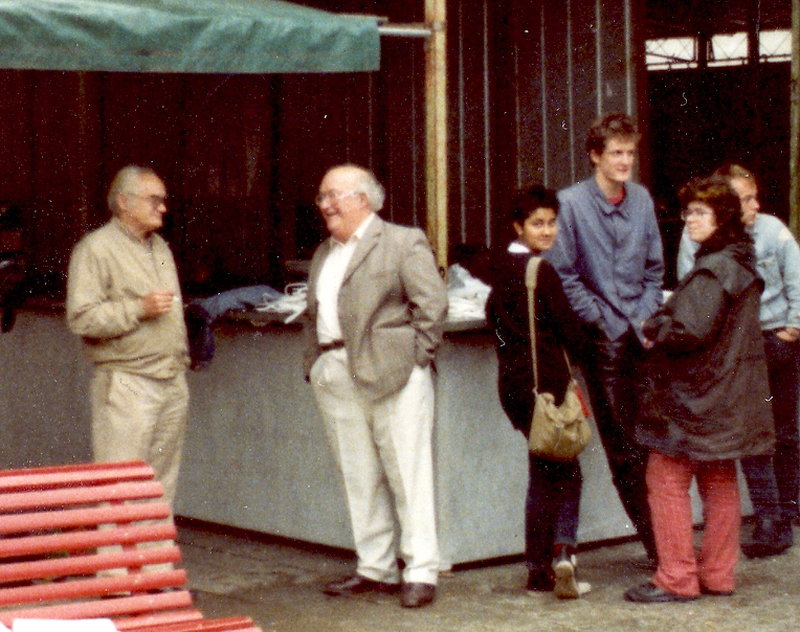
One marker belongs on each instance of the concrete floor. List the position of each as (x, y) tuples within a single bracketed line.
[(278, 583)]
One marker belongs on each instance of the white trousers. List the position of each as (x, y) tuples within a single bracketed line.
[(384, 451), (136, 417)]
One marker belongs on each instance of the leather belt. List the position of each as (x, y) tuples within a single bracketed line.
[(330, 346)]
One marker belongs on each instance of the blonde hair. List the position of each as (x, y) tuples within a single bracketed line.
[(732, 171)]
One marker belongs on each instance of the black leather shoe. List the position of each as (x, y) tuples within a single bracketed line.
[(541, 581), (417, 595), (770, 537), (650, 593), (357, 585)]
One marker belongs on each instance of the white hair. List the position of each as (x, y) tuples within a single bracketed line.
[(368, 184), (124, 181)]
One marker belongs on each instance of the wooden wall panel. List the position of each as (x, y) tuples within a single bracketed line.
[(243, 155), (399, 131), (322, 121), (470, 130), (16, 152), (614, 73), (558, 89), (143, 118), (304, 111), (503, 81), (548, 69), (529, 97), (222, 216), (65, 147), (586, 105)]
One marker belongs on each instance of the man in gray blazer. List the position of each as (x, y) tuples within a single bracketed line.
[(376, 305)]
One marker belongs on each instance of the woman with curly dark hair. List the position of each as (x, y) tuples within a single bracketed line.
[(706, 400)]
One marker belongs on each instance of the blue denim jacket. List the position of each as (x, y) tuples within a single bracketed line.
[(609, 257), (778, 264)]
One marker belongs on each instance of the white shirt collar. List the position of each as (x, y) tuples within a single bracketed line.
[(359, 232), (517, 248)]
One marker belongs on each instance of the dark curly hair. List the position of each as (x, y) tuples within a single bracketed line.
[(715, 192)]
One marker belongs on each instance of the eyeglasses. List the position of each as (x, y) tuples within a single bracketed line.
[(704, 212), (332, 196), (154, 200)]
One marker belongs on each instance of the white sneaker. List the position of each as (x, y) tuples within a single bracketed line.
[(567, 585)]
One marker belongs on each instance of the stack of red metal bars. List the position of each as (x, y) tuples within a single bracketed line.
[(95, 541)]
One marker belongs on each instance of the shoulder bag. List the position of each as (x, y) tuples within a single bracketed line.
[(560, 432)]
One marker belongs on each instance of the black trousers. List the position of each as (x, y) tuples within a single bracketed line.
[(551, 509), (613, 380)]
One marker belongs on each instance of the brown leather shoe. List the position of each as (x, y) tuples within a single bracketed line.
[(417, 595), (356, 585)]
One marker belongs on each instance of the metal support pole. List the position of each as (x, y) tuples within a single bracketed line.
[(436, 128), (404, 30), (433, 30), (794, 98)]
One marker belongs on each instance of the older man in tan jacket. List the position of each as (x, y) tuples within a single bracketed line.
[(124, 300), (376, 308)]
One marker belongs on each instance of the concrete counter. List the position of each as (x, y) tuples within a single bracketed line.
[(256, 455)]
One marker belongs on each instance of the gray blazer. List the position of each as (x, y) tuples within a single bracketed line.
[(392, 307)]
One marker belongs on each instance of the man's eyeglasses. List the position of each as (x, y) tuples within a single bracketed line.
[(154, 200), (686, 214), (332, 196)]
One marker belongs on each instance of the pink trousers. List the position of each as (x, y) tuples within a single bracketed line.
[(680, 570)]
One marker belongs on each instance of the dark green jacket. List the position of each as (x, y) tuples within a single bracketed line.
[(706, 391)]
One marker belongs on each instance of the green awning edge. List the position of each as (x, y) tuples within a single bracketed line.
[(194, 36)]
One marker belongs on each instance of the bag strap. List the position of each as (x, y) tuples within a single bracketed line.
[(531, 272), (530, 280)]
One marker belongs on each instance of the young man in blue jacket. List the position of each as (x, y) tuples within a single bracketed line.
[(609, 256)]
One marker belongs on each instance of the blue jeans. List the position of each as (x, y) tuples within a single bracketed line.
[(551, 509), (774, 481)]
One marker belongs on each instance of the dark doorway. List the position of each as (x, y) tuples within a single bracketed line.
[(700, 119)]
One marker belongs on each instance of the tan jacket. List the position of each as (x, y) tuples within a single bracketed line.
[(109, 272), (392, 307)]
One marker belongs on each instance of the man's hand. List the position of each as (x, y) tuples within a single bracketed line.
[(158, 303)]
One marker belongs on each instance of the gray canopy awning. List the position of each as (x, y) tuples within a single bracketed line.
[(202, 36)]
